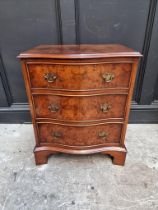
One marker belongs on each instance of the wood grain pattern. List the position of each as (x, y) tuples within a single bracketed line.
[(42, 153), (80, 51), (76, 90), (80, 77), (78, 108), (79, 136)]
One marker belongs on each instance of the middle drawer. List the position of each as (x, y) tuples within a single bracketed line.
[(79, 108)]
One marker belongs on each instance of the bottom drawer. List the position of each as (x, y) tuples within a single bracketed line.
[(74, 135)]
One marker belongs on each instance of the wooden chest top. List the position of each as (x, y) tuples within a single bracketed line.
[(80, 51)]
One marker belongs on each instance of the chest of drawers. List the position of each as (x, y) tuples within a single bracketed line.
[(79, 98)]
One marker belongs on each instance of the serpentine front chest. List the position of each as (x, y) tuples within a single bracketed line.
[(79, 98)]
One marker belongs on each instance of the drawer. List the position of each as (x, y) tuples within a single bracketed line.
[(79, 135), (79, 77), (77, 108)]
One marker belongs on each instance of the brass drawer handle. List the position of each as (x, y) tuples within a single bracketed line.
[(108, 77), (103, 135), (105, 107), (53, 108), (57, 135), (50, 77)]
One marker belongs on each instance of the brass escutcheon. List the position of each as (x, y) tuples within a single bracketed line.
[(108, 77), (103, 135), (105, 107), (53, 108), (50, 77), (56, 135)]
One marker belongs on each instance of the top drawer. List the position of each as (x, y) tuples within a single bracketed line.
[(79, 76)]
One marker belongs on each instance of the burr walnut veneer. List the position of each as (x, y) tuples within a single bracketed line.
[(80, 98)]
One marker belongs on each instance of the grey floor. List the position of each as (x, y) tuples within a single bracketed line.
[(78, 182)]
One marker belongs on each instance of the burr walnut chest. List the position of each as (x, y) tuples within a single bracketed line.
[(80, 97)]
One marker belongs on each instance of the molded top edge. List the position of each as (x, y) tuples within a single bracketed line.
[(80, 51)]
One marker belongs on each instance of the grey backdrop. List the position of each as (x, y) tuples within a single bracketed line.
[(25, 24)]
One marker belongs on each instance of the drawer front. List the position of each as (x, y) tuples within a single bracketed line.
[(79, 77), (76, 108), (79, 136)]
